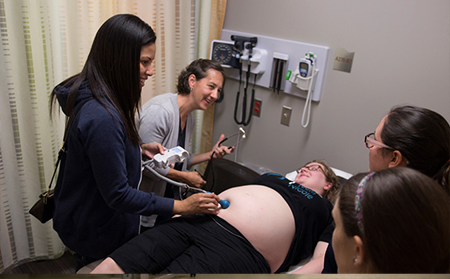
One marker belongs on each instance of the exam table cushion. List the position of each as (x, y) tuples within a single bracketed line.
[(222, 174)]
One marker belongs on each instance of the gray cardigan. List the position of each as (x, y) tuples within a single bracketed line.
[(159, 121)]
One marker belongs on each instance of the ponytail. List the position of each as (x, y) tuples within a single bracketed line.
[(443, 177)]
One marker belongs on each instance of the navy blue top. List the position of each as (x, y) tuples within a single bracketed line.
[(97, 204)]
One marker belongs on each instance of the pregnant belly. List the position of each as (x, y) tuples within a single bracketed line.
[(264, 218)]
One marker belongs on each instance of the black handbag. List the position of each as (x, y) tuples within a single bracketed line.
[(45, 206)]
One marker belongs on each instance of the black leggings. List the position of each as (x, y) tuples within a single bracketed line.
[(190, 245)]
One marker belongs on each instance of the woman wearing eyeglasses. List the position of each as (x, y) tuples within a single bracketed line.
[(269, 226), (309, 177), (412, 137)]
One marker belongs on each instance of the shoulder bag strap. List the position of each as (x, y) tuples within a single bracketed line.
[(69, 122)]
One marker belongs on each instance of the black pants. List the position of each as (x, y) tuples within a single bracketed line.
[(82, 260), (329, 265), (190, 245)]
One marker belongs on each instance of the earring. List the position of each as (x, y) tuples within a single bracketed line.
[(191, 88), (355, 260)]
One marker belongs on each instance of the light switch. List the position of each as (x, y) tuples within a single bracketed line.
[(286, 115)]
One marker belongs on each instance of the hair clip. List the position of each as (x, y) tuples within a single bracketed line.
[(358, 199)]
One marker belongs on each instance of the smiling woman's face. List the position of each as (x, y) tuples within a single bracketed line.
[(146, 60), (206, 90), (312, 179)]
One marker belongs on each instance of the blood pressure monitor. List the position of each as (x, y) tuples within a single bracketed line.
[(222, 52)]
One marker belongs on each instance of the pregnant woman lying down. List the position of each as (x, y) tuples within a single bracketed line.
[(269, 226)]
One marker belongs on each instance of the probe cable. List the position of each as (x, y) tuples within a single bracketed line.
[(148, 165)]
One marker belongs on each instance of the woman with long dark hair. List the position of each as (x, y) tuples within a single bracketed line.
[(97, 203), (396, 220), (408, 136)]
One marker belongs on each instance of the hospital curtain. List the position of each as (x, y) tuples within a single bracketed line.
[(44, 42)]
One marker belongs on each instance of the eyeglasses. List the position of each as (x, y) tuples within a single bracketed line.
[(370, 141), (312, 168)]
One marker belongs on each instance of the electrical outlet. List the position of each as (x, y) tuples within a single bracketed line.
[(286, 115), (257, 107)]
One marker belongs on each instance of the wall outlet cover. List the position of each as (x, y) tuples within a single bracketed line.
[(257, 107)]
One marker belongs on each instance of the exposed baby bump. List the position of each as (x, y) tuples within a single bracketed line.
[(263, 217), (240, 198), (252, 197), (257, 205)]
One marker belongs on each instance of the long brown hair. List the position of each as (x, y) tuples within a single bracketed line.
[(112, 69), (406, 221), (423, 137)]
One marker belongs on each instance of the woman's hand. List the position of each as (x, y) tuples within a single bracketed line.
[(219, 151), (193, 179), (201, 203), (151, 149)]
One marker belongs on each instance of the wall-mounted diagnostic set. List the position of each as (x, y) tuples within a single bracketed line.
[(243, 55), (273, 62)]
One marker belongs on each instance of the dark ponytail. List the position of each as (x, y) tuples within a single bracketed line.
[(423, 137)]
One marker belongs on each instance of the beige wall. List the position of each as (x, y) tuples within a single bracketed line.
[(402, 56)]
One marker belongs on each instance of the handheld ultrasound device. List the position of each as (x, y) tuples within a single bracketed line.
[(172, 156)]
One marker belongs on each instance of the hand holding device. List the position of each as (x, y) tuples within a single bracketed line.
[(171, 156)]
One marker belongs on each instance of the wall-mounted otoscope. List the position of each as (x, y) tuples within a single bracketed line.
[(241, 42)]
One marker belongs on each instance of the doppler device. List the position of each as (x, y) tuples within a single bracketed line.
[(171, 156)]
